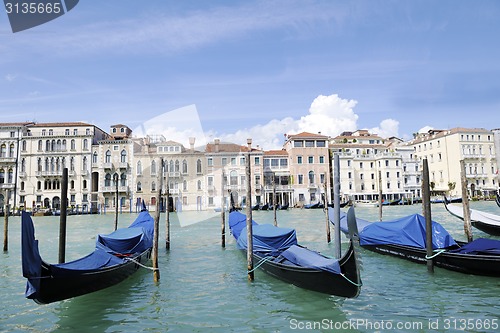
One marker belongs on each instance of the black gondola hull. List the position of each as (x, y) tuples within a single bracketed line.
[(486, 227), (53, 289), (321, 281), (486, 265)]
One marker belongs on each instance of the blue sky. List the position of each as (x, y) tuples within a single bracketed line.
[(259, 68)]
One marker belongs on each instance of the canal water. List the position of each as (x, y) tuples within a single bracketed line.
[(204, 288)]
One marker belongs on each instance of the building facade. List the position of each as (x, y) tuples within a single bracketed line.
[(48, 148), (444, 149)]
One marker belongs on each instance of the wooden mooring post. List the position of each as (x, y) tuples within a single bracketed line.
[(380, 195), (63, 216), (167, 214), (6, 223), (426, 203), (465, 202), (336, 207), (223, 212), (250, 268), (156, 232), (115, 177)]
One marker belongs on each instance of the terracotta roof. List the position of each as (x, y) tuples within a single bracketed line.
[(60, 124), (306, 135), (16, 124), (281, 152), (227, 148)]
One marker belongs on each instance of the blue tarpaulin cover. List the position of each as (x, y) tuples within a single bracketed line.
[(280, 243), (301, 256), (409, 231), (268, 239), (135, 239), (480, 246)]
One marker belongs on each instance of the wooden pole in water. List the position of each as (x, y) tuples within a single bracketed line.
[(63, 216), (274, 199), (380, 195), (6, 223), (223, 212), (154, 256), (167, 212), (249, 218), (426, 203), (465, 202), (325, 200), (115, 177), (336, 207)]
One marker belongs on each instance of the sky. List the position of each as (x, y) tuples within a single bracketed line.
[(261, 69)]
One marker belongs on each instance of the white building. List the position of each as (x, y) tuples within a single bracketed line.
[(48, 148), (444, 149)]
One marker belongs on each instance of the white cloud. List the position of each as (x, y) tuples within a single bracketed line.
[(387, 128), (10, 77), (330, 115)]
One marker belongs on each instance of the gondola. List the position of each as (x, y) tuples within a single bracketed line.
[(276, 252), (405, 238), (487, 222), (116, 257), (283, 207), (264, 207), (497, 199)]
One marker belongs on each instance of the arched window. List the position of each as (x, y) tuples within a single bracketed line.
[(23, 145), (10, 178), (58, 145), (311, 177), (177, 169), (40, 145), (72, 185), (94, 158), (139, 168), (53, 145), (72, 163), (171, 166), (73, 144), (107, 180), (64, 145), (153, 167), (52, 165), (3, 151), (84, 184), (184, 167), (47, 164), (22, 186), (47, 145), (139, 187), (123, 180), (84, 163), (2, 176), (184, 185), (153, 186), (123, 156), (198, 166), (199, 184), (39, 165), (85, 144), (108, 157), (11, 150)]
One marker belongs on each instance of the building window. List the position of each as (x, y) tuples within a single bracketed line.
[(311, 177), (233, 178), (139, 187), (184, 167), (322, 159), (107, 180), (298, 143), (299, 159), (198, 167), (139, 168), (210, 161), (309, 143), (300, 179), (257, 160), (153, 167), (123, 156), (310, 159), (108, 157)]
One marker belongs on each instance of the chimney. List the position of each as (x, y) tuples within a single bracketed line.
[(191, 143), (216, 142), (249, 143)]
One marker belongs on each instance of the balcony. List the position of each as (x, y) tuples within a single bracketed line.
[(7, 160), (7, 186), (174, 174), (112, 189)]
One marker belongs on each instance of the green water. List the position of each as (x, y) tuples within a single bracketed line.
[(204, 288)]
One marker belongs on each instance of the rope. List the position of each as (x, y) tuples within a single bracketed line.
[(143, 266), (352, 282), (261, 261), (435, 255)]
